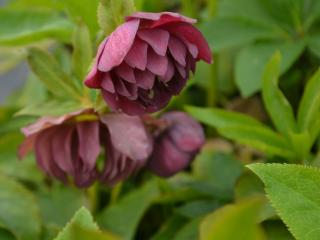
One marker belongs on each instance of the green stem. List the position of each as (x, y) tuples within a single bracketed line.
[(115, 193)]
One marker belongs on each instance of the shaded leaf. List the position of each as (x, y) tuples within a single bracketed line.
[(219, 118), (276, 103), (82, 52), (19, 211), (122, 218), (259, 137), (49, 72), (251, 61), (20, 27)]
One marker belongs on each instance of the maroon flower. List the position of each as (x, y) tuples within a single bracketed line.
[(176, 145), (70, 145), (146, 61)]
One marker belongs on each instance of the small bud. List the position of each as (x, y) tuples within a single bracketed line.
[(176, 146)]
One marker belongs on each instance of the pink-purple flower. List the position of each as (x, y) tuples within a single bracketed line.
[(71, 144), (146, 61), (180, 138)]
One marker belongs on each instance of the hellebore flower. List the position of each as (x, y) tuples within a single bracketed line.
[(176, 145), (146, 61), (70, 145)]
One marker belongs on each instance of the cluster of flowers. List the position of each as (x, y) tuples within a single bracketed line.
[(138, 68)]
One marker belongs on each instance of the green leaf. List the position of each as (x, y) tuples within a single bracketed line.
[(20, 27), (10, 57), (80, 233), (50, 108), (276, 103), (224, 33), (123, 217), (251, 61), (238, 220), (49, 72), (308, 113), (314, 44), (85, 12), (52, 202), (82, 51), (82, 218), (219, 118), (260, 138), (197, 208), (19, 211), (190, 231), (169, 228), (293, 192), (219, 171), (111, 13), (276, 230), (6, 235)]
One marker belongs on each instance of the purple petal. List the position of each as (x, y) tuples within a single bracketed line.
[(158, 39), (194, 36), (158, 19), (107, 83), (93, 78), (145, 79), (178, 50), (126, 73), (128, 135), (89, 145), (61, 146), (118, 45), (157, 64), (169, 74), (137, 56)]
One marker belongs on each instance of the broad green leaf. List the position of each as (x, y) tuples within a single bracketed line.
[(123, 217), (190, 231), (238, 220), (260, 138), (10, 57), (314, 44), (197, 208), (111, 13), (52, 202), (251, 62), (82, 218), (276, 230), (19, 211), (82, 51), (293, 191), (6, 235), (86, 12), (80, 233), (219, 171), (51, 108), (219, 118), (169, 228), (20, 27), (308, 113), (46, 68), (224, 33), (276, 103)]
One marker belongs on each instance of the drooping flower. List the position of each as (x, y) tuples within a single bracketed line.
[(70, 145), (176, 144), (146, 61)]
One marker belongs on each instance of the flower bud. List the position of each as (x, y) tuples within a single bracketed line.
[(176, 145)]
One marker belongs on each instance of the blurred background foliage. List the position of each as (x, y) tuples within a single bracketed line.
[(254, 110)]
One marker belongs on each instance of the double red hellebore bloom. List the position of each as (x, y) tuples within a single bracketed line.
[(70, 146), (176, 144), (146, 61)]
